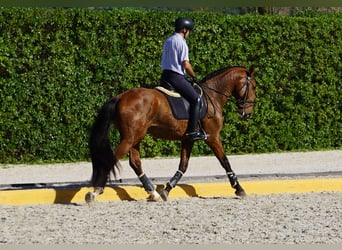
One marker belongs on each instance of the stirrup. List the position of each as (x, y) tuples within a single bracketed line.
[(195, 136)]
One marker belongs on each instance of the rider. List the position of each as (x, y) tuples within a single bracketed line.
[(175, 63)]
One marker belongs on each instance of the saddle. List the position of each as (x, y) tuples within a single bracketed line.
[(179, 105)]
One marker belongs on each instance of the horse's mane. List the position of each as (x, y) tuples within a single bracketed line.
[(217, 72)]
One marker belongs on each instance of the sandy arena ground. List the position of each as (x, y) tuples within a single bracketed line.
[(282, 219), (313, 218)]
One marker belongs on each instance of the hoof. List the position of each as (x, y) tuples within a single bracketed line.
[(164, 195), (241, 193), (154, 196), (89, 197)]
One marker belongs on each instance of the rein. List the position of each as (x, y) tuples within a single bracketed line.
[(241, 102), (215, 90)]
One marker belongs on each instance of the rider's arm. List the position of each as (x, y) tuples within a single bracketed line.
[(188, 68)]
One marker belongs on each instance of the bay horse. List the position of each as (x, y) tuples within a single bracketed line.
[(139, 111)]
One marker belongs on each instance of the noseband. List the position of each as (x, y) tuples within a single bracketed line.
[(244, 103)]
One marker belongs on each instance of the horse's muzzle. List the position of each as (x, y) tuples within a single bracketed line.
[(245, 116)]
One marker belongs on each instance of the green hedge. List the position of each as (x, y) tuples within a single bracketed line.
[(57, 67)]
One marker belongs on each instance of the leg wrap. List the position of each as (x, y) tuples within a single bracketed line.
[(148, 186), (232, 179), (174, 180)]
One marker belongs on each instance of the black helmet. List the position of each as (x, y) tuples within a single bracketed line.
[(183, 22)]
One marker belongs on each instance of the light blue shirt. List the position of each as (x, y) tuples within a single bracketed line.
[(175, 52)]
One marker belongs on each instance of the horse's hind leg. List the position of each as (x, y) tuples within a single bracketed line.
[(101, 174), (98, 188), (216, 145), (183, 166), (135, 163), (101, 170)]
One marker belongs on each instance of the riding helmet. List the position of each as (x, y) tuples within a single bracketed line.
[(184, 22)]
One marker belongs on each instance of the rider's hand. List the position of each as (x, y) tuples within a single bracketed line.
[(195, 80)]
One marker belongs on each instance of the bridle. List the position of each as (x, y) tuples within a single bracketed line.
[(243, 103)]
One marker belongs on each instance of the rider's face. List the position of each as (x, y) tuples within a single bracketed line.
[(186, 33)]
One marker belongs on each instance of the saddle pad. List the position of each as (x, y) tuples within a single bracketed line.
[(168, 92), (179, 105)]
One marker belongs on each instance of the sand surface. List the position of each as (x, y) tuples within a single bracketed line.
[(282, 219)]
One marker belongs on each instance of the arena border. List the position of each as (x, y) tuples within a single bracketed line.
[(135, 192)]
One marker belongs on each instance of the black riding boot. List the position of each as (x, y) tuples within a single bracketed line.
[(192, 133)]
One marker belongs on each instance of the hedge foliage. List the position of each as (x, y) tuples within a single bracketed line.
[(57, 68)]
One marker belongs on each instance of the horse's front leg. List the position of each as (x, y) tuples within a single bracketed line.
[(216, 145), (135, 163), (183, 166)]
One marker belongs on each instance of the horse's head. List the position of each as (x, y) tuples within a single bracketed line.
[(244, 93)]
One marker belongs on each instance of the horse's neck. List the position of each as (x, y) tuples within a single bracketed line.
[(224, 85)]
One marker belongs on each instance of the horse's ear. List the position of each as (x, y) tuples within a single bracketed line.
[(251, 71)]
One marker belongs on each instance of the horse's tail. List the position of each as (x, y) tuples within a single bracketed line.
[(102, 157)]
